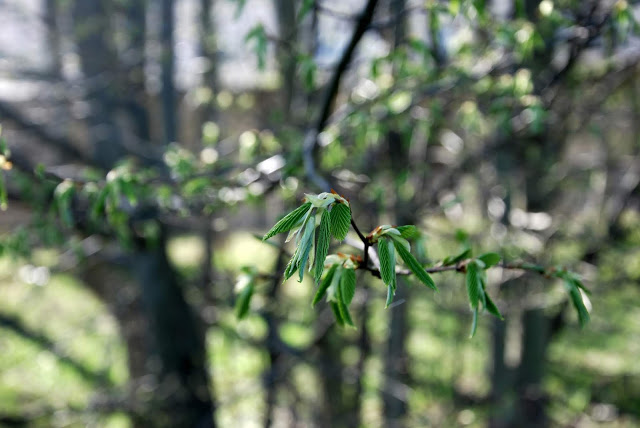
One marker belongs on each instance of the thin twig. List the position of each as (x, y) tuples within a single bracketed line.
[(311, 138)]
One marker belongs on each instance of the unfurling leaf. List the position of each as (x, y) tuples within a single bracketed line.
[(489, 259), (387, 255), (301, 253), (391, 292), (474, 286), (305, 244), (573, 285), (342, 305), (335, 307), (414, 265), (409, 231), (348, 286), (340, 221), (492, 308), (289, 221), (322, 246), (474, 323), (452, 260), (326, 282), (243, 301), (578, 303)]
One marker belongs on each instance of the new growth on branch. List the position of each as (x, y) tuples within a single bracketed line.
[(322, 216)]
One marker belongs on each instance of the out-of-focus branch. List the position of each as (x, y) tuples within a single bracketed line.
[(311, 138), (27, 125)]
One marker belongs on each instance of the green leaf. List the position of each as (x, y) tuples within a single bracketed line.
[(336, 312), (578, 303), (474, 323), (322, 246), (259, 36), (492, 308), (409, 231), (387, 255), (343, 309), (348, 286), (243, 301), (289, 221), (340, 221), (452, 260), (489, 259), (391, 292), (326, 282), (474, 286), (292, 266), (344, 313), (305, 244), (414, 266)]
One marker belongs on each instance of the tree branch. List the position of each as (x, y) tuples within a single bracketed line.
[(311, 138)]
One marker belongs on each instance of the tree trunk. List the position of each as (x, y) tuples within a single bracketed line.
[(170, 119), (286, 12), (182, 396), (98, 60)]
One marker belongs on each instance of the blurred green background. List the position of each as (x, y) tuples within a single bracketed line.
[(147, 146)]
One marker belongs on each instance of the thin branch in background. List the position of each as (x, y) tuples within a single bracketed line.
[(311, 138)]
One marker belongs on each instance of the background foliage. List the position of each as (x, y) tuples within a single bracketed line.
[(147, 146)]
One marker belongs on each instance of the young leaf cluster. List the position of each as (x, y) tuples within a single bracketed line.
[(476, 281), (339, 286), (312, 224), (391, 241), (328, 214)]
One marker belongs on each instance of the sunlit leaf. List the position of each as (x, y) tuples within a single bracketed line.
[(578, 303), (322, 246), (348, 286), (387, 255), (474, 286), (289, 221), (335, 307), (326, 282), (344, 313), (340, 221), (414, 266), (409, 231), (474, 323), (306, 244)]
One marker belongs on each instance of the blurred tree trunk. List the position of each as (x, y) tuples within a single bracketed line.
[(337, 406), (132, 90), (270, 377), (396, 371), (53, 36), (176, 353), (98, 62), (286, 12), (182, 397), (167, 63)]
